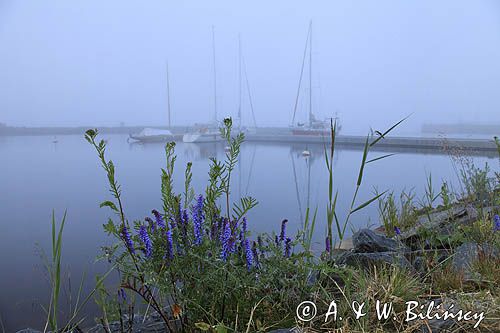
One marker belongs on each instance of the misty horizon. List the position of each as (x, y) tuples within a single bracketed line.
[(102, 64)]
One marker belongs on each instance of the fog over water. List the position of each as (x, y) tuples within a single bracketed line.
[(104, 63), (101, 63)]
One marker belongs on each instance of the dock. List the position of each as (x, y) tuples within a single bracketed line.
[(395, 142)]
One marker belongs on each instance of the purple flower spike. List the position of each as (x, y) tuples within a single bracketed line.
[(215, 229), (288, 247), (151, 223), (172, 222), (184, 217), (255, 254), (122, 296), (244, 226), (159, 219), (248, 254), (397, 231), (148, 247), (198, 218), (170, 244), (497, 223), (225, 241), (127, 239), (327, 244), (283, 230)]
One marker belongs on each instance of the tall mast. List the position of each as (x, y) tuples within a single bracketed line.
[(215, 75), (168, 97), (310, 75), (239, 80), (301, 75)]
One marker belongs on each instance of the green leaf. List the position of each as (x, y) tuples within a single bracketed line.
[(202, 326), (110, 227), (109, 204), (220, 328), (366, 203), (379, 158), (387, 132), (363, 162)]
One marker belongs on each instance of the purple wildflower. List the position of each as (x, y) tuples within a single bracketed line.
[(283, 230), (397, 231), (255, 254), (244, 226), (127, 239), (327, 244), (259, 241), (148, 247), (497, 223), (276, 241), (198, 218), (232, 244), (288, 247), (122, 296), (225, 240), (215, 229), (151, 223), (159, 219), (248, 254), (184, 217), (172, 222), (170, 244)]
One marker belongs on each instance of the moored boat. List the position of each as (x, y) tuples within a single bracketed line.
[(153, 135)]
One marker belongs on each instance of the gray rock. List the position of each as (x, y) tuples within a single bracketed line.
[(368, 260), (28, 330), (419, 264), (366, 240), (445, 222), (467, 254), (441, 325)]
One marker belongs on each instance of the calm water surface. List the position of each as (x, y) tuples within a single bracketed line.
[(38, 176)]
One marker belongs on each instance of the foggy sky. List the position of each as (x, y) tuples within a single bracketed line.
[(89, 62)]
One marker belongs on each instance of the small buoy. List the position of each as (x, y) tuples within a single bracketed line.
[(306, 153)]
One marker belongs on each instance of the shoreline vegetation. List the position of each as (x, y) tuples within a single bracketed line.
[(195, 265)]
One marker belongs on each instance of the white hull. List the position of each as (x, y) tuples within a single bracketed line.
[(202, 137)]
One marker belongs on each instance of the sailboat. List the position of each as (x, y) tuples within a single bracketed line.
[(314, 126), (242, 72), (155, 134), (207, 132)]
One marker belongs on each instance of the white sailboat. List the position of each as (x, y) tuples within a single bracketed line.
[(314, 127), (207, 132), (156, 134)]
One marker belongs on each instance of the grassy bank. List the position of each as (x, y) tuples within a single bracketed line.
[(196, 265)]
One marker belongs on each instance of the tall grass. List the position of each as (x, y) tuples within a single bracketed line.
[(53, 267), (55, 274), (333, 193)]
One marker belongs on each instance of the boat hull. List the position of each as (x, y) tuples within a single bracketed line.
[(153, 138), (311, 132), (205, 137)]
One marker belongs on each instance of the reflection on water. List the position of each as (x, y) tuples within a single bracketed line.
[(38, 175)]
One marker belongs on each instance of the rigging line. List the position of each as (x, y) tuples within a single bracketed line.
[(239, 79), (168, 97), (215, 74), (310, 74), (248, 90), (301, 75)]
